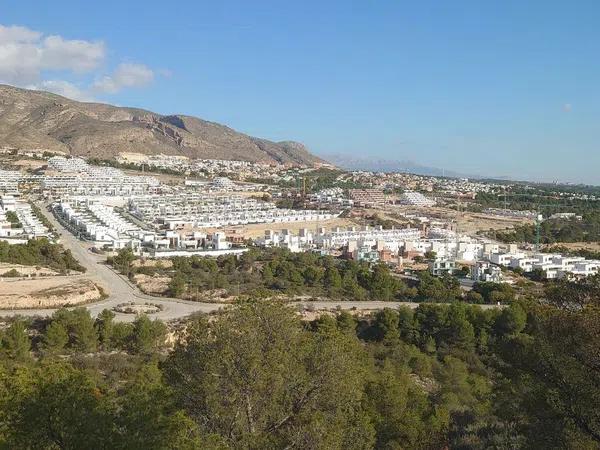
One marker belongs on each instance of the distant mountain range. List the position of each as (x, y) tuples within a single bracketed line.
[(41, 120), (382, 165)]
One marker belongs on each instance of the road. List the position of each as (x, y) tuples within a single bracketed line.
[(120, 290)]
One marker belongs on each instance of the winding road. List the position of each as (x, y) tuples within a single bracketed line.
[(120, 290)]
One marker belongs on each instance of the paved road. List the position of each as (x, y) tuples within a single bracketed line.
[(118, 288), (121, 290)]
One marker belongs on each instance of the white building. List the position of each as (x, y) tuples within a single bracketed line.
[(486, 272), (393, 238), (416, 199), (553, 265), (9, 181)]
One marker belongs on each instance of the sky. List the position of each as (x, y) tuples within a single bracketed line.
[(507, 88)]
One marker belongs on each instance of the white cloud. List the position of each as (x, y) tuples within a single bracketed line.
[(75, 55), (27, 57), (18, 34), (64, 88), (126, 75)]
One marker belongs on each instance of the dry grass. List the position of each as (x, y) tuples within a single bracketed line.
[(47, 292)]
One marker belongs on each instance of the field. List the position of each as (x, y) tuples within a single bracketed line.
[(592, 246), (258, 229), (49, 292), (470, 223)]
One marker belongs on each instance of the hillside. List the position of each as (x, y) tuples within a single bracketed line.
[(41, 120)]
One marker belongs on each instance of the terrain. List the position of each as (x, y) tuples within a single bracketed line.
[(44, 121)]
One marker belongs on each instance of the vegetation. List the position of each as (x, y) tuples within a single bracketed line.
[(40, 252), (316, 180), (275, 271), (255, 376), (555, 230), (12, 217), (495, 292), (133, 166), (41, 217), (12, 273), (271, 272), (586, 253), (549, 199), (376, 220)]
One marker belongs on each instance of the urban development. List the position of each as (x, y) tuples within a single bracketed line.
[(437, 278), (310, 225)]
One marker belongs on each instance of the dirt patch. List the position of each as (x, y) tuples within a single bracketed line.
[(592, 246), (47, 293), (138, 308), (32, 164), (470, 223), (164, 263), (27, 270), (258, 229), (152, 285)]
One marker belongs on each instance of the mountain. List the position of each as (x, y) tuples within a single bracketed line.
[(382, 165), (41, 120)]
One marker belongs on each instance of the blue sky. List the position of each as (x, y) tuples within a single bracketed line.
[(507, 88)]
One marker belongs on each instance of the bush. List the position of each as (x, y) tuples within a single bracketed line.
[(12, 273)]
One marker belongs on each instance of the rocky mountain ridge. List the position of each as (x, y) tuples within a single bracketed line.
[(41, 120)]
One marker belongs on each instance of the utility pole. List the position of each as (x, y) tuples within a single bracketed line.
[(457, 235), (304, 191), (538, 222)]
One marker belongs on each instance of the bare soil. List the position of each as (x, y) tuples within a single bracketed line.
[(50, 292)]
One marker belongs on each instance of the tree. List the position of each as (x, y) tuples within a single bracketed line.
[(430, 255), (56, 406), (148, 336), (346, 323), (121, 335), (406, 324), (474, 297), (257, 377), (383, 286), (80, 326), (495, 292), (333, 281), (15, 342), (401, 412), (104, 328), (177, 285), (149, 418), (553, 377), (438, 289), (538, 274), (511, 320), (122, 261), (56, 337), (386, 326), (313, 275), (465, 271), (267, 275), (458, 331), (431, 321)]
